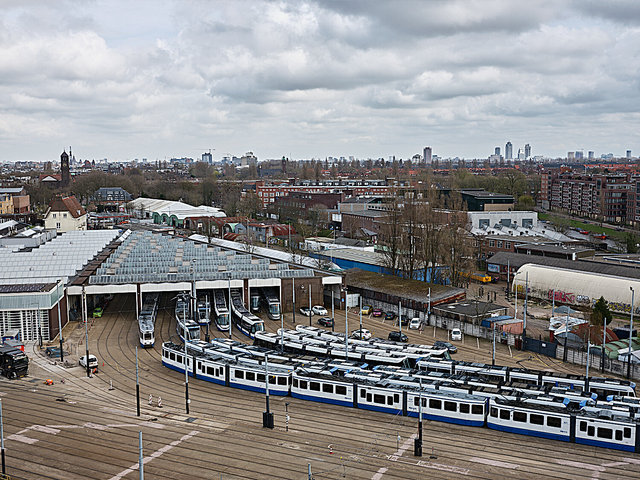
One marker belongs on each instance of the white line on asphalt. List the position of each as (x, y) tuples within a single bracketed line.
[(155, 454), (494, 463)]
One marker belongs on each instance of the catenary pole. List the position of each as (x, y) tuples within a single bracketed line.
[(630, 357), (137, 385), (86, 330), (60, 321)]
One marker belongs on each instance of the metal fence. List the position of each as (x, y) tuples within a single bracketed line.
[(614, 366)]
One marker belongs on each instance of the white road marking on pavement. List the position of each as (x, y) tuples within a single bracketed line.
[(45, 429), (21, 438), (569, 463), (494, 463), (444, 468), (379, 473), (635, 461), (155, 454)]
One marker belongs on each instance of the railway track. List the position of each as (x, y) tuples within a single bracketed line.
[(97, 437)]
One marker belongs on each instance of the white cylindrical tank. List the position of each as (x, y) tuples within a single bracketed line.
[(577, 288)]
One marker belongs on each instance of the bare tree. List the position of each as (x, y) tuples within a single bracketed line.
[(389, 237)]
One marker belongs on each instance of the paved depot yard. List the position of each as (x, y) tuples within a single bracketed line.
[(80, 429)]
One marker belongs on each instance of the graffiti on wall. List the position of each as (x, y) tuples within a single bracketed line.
[(560, 296)]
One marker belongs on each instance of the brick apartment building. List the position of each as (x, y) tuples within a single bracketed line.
[(610, 197), (268, 193)]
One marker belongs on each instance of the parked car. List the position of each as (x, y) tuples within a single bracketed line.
[(449, 346), (363, 334), (456, 334), (93, 361), (326, 321), (398, 336), (305, 311), (377, 312), (389, 315), (415, 323), (319, 310), (97, 312), (404, 320), (366, 309)]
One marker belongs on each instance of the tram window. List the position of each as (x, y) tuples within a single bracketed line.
[(368, 397), (272, 380), (591, 430), (295, 382), (251, 376), (435, 404), (424, 403), (363, 393), (505, 414), (315, 386), (327, 388), (493, 412), (536, 419), (477, 409), (239, 374), (396, 397), (464, 408), (627, 432), (554, 422), (583, 426), (619, 435), (179, 359), (377, 398), (341, 390), (282, 380), (211, 371), (303, 384), (605, 433), (520, 417), (450, 406), (260, 377)]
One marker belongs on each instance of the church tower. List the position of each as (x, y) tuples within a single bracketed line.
[(64, 168)]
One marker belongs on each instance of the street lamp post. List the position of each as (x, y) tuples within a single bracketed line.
[(60, 322), (630, 333), (310, 313), (86, 330), (346, 325), (293, 292), (230, 314), (333, 318)]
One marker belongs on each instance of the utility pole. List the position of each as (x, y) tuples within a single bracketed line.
[(310, 313), (629, 358), (137, 385), (186, 369), (524, 322), (566, 335), (360, 300), (333, 318), (86, 330), (493, 355), (267, 417), (60, 321), (429, 308), (417, 447), (140, 456), (293, 291), (230, 312), (604, 341), (4, 468), (207, 338)]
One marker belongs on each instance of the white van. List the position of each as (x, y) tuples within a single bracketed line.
[(456, 334), (93, 361), (414, 324)]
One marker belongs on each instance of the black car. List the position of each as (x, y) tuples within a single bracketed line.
[(398, 336), (404, 320), (52, 351), (450, 347), (389, 316), (326, 321)]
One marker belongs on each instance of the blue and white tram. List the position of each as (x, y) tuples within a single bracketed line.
[(204, 311), (312, 385), (608, 430), (222, 312), (537, 420), (245, 321), (448, 407), (147, 320)]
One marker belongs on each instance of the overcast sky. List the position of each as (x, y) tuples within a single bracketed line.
[(367, 78)]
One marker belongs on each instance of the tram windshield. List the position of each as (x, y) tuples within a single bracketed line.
[(274, 309)]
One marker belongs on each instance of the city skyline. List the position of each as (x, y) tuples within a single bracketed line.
[(317, 79)]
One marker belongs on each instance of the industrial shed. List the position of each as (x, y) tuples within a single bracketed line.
[(578, 287)]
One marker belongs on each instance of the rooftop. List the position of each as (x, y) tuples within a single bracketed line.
[(516, 260), (470, 308)]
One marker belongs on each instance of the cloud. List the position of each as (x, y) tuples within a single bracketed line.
[(315, 78)]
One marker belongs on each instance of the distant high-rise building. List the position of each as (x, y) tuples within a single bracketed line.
[(579, 154), (571, 155), (629, 154), (207, 158), (520, 154), (590, 154), (497, 151), (426, 155), (508, 151), (527, 151)]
